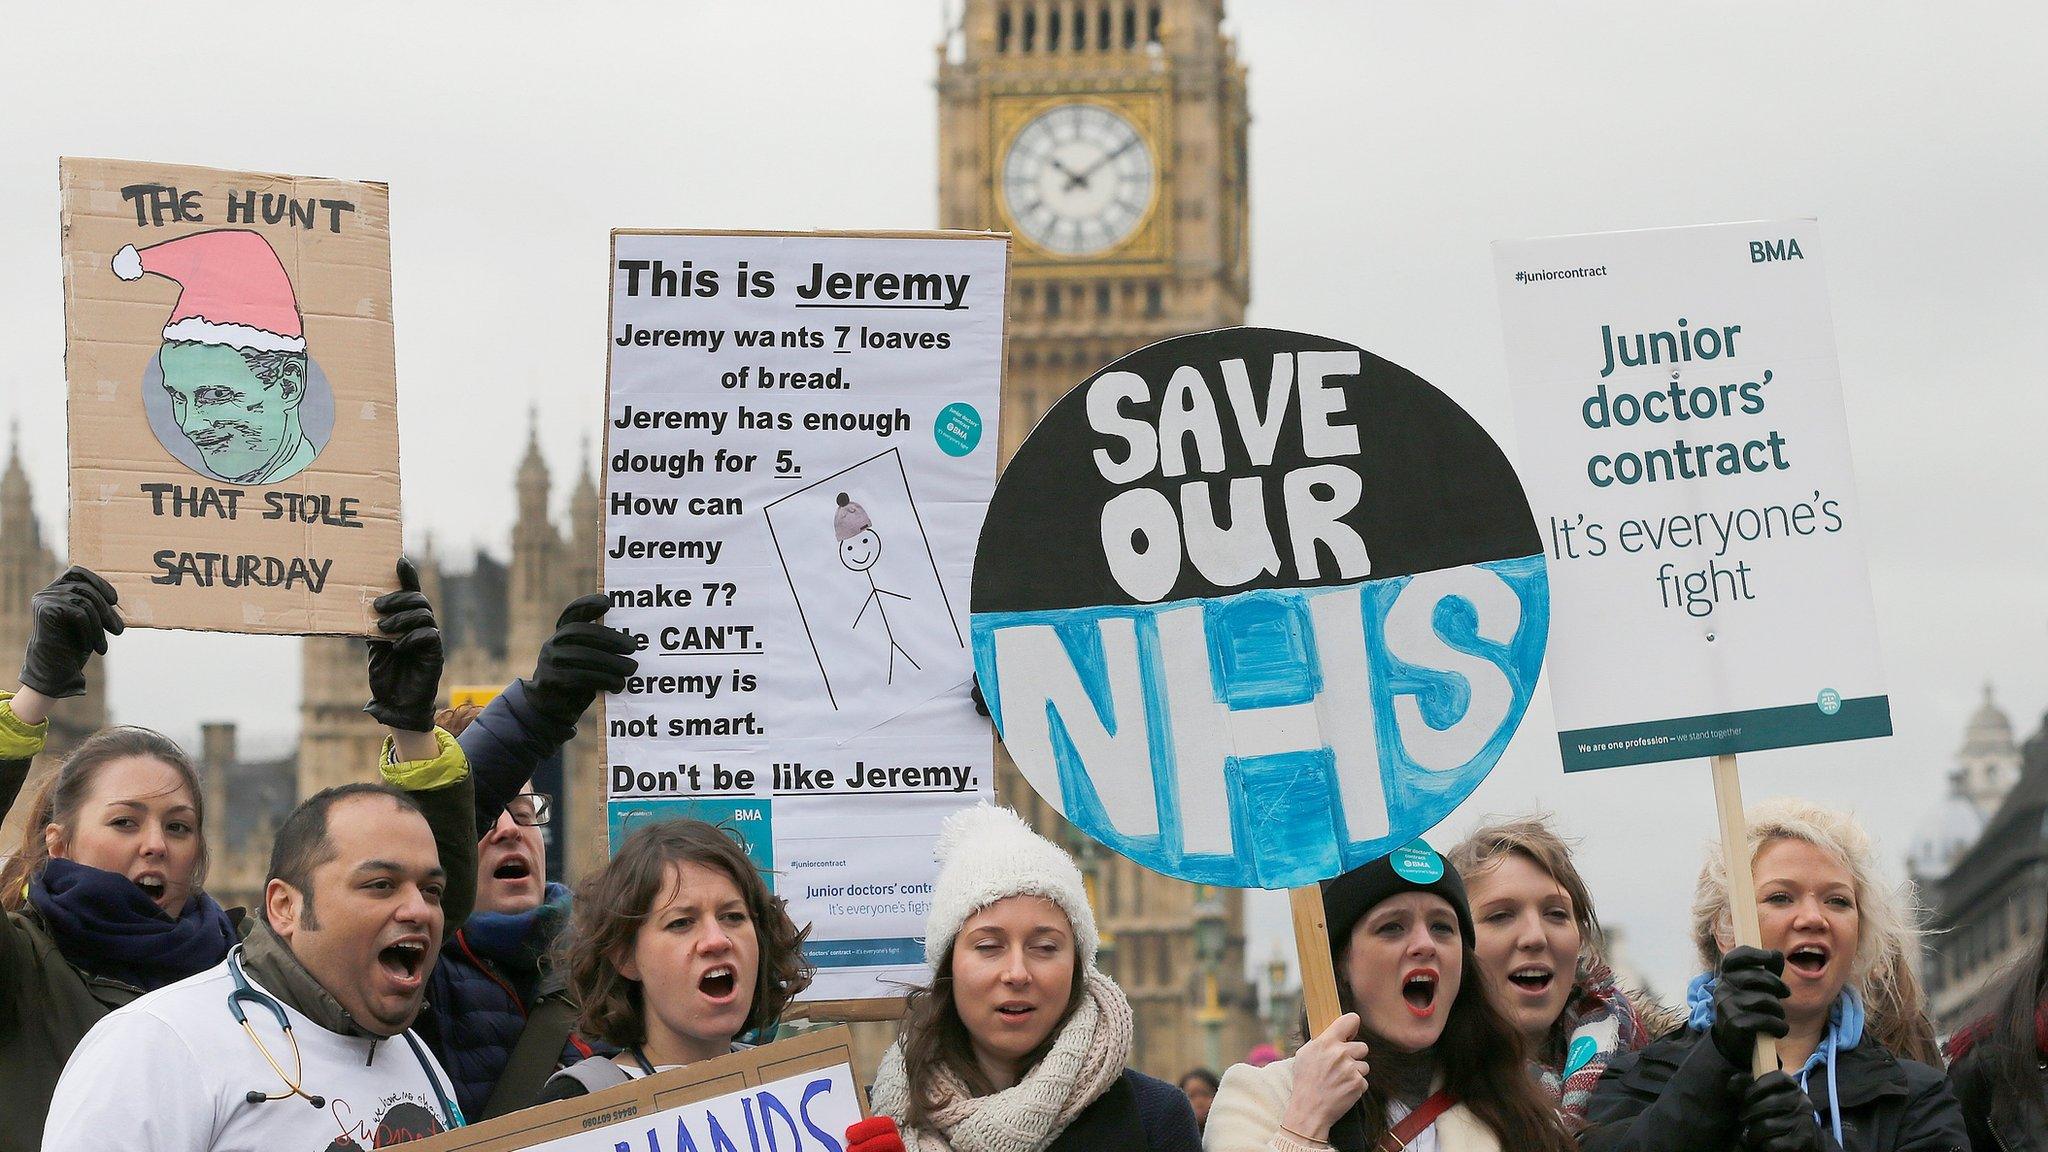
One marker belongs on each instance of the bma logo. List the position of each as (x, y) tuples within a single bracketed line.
[(1761, 251)]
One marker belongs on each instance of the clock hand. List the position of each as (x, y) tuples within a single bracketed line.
[(1081, 179), (1074, 180)]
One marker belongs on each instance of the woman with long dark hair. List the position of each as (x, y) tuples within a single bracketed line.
[(1999, 1064), (1421, 1054), (101, 900)]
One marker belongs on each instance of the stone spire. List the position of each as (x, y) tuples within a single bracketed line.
[(536, 553), (586, 529), (533, 476), (23, 560), (17, 516)]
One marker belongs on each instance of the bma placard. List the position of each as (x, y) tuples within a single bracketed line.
[(233, 400), (800, 447), (1683, 439)]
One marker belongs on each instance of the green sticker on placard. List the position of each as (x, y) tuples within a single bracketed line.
[(1418, 863), (958, 429)]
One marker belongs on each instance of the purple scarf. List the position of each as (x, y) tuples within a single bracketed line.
[(107, 925)]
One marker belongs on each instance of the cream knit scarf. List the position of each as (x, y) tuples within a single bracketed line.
[(1085, 1060)]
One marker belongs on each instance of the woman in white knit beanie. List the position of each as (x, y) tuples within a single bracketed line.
[(1019, 1044)]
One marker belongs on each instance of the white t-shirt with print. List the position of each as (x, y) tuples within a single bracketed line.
[(171, 1072)]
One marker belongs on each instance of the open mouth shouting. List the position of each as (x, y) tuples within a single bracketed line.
[(1418, 991), (513, 868), (1533, 980), (404, 961), (1809, 960), (719, 983), (153, 885)]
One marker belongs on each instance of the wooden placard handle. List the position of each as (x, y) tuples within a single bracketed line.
[(848, 1011), (1741, 884), (1312, 951)]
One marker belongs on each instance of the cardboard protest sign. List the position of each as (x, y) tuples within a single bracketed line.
[(1683, 439), (796, 1095), (799, 451), (1254, 607), (233, 405)]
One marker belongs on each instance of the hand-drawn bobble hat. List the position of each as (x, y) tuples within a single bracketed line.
[(850, 519), (1416, 868), (986, 854)]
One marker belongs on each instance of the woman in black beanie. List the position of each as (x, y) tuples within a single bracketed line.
[(1419, 1051)]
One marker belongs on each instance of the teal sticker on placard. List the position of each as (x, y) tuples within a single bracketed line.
[(1418, 863), (751, 822), (1581, 1054), (1830, 702), (958, 429)]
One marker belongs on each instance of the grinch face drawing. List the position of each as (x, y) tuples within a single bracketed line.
[(859, 547), (234, 353)]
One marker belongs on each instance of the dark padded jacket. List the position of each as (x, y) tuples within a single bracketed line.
[(1137, 1114), (483, 988), (1675, 1096), (1996, 1123), (481, 993), (47, 1004)]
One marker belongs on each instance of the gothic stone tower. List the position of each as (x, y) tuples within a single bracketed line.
[(26, 564), (1108, 137), (493, 619)]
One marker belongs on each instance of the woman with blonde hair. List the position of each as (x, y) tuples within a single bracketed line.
[(1543, 962), (1830, 983)]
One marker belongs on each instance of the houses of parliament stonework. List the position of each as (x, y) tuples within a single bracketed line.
[(1150, 244)]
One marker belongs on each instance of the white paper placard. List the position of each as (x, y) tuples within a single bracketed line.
[(1683, 443), (800, 448)]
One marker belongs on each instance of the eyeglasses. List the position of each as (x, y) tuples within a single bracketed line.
[(531, 809)]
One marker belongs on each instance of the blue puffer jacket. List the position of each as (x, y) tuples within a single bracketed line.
[(489, 976), (505, 744), (478, 996)]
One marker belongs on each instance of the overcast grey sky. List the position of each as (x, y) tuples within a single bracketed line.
[(1391, 143)]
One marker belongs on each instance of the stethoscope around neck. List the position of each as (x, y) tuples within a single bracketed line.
[(246, 993)]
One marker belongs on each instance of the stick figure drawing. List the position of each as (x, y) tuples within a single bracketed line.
[(859, 547)]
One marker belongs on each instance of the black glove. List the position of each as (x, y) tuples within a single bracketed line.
[(405, 672), (580, 660), (68, 622), (1749, 998), (980, 701), (1776, 1115)]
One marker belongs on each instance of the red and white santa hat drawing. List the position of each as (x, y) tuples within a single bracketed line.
[(233, 290)]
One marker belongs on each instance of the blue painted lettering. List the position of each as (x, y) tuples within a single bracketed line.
[(1272, 737)]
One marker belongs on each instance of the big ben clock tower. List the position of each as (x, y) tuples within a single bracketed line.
[(1108, 137)]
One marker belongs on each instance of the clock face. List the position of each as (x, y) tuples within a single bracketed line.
[(1078, 179)]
